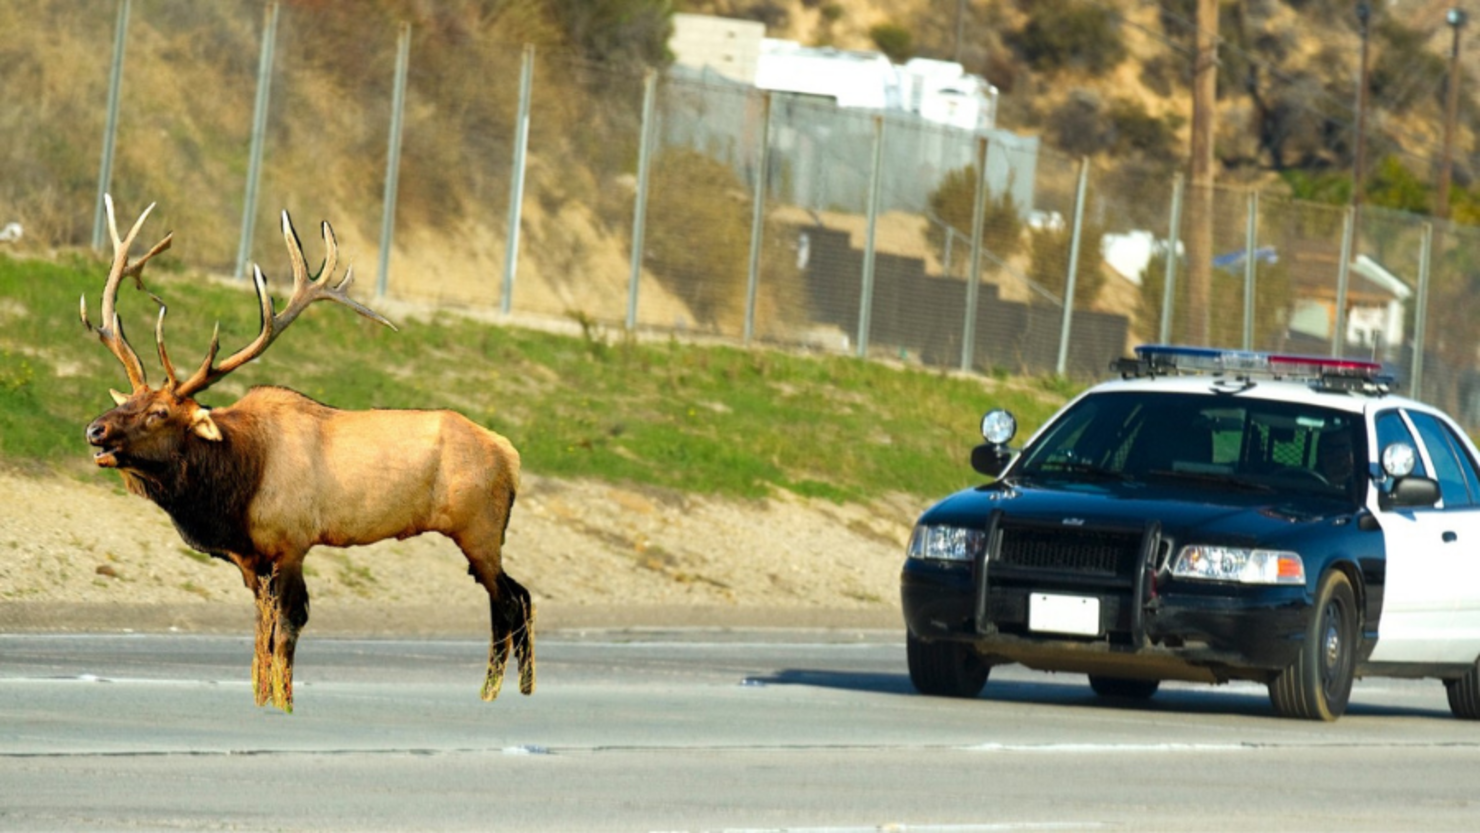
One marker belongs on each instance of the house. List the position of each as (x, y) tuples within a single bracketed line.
[(1375, 299), (941, 92)]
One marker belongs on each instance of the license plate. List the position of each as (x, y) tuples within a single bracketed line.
[(1078, 615)]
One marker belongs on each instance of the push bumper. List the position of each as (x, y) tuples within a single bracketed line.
[(1201, 632)]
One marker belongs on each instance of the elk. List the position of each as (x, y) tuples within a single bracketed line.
[(261, 481)]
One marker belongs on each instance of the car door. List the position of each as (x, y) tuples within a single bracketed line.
[(1431, 608), (1458, 556)]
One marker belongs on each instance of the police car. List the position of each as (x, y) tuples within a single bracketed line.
[(1210, 516)]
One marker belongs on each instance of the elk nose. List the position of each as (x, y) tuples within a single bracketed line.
[(96, 432)]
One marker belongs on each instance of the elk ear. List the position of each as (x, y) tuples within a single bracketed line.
[(204, 427), (118, 398)]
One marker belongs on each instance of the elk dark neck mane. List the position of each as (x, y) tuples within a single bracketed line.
[(228, 471)]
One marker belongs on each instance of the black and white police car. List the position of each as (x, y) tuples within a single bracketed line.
[(1210, 516)]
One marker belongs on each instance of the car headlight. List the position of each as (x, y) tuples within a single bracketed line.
[(945, 543), (1247, 566)]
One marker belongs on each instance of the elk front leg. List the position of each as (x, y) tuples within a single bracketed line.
[(291, 597), (267, 612)]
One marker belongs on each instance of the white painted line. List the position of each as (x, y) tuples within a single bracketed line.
[(1002, 827), (1091, 748)]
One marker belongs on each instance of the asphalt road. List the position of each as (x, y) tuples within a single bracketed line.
[(685, 731)]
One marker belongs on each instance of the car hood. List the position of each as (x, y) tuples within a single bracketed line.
[(1235, 518)]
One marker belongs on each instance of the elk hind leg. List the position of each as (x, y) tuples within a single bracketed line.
[(511, 619), (518, 612)]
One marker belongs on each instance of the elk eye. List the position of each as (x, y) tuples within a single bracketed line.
[(156, 416)]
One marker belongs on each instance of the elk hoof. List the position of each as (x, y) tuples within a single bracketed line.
[(282, 690), (491, 685), (526, 678)]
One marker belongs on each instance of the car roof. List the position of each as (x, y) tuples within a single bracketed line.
[(1243, 387)]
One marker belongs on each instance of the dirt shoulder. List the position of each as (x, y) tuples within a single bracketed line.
[(83, 555)]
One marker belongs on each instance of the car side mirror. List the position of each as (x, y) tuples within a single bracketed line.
[(1411, 491), (990, 459)]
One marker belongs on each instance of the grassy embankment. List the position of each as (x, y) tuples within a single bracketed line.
[(718, 420)]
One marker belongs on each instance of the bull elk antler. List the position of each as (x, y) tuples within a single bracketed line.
[(306, 290), (111, 333)]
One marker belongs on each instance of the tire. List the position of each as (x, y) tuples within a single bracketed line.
[(1464, 694), (1129, 689), (1317, 685), (945, 669)]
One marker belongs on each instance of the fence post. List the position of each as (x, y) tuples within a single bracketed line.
[(1343, 278), (1251, 267), (1067, 325), (1420, 311), (393, 163), (973, 272), (758, 219), (875, 192), (1174, 243), (639, 213), (516, 186), (259, 136), (110, 131)]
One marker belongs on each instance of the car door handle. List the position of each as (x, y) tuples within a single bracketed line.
[(1450, 537)]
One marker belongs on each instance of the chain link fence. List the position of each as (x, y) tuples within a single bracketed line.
[(684, 203)]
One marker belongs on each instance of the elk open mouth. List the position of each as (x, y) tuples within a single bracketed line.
[(106, 458)]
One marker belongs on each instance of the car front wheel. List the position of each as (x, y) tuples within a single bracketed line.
[(1318, 683), (945, 669)]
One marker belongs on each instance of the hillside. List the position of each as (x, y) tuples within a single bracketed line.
[(1111, 77)]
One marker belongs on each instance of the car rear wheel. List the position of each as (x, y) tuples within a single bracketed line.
[(1464, 694), (1318, 683), (945, 669), (1122, 687)]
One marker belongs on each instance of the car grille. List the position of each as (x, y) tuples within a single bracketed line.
[(1092, 551)]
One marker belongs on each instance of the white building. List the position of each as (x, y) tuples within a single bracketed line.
[(937, 91), (727, 46), (945, 93), (852, 78)]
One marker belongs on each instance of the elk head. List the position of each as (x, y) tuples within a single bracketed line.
[(149, 428)]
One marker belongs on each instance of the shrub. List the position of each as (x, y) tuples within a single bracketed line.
[(894, 41), (953, 202), (1050, 265), (1065, 34), (697, 238), (1077, 127)]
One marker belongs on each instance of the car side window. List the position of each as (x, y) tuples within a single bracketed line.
[(1452, 467)]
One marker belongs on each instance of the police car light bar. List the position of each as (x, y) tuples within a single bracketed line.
[(1349, 374)]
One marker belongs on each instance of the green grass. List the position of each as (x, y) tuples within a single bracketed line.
[(716, 420)]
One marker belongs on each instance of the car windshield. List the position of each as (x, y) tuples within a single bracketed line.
[(1208, 441)]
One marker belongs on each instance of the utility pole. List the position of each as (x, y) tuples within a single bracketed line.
[(960, 27), (1359, 161), (1200, 229), (1455, 19)]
